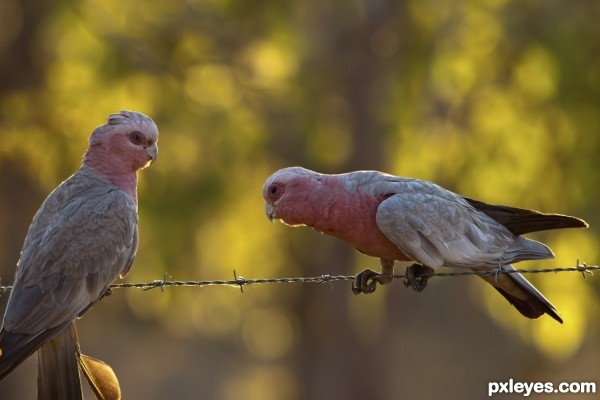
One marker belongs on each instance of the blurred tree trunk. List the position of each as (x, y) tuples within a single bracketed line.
[(22, 65), (339, 365)]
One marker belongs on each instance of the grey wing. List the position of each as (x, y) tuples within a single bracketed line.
[(134, 246), (442, 230), (87, 244)]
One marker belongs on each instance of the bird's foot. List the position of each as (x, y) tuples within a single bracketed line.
[(107, 293), (366, 281), (417, 276)]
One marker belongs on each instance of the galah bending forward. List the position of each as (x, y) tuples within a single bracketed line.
[(81, 239), (404, 219)]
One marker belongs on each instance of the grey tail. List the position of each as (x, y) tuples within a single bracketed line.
[(16, 348), (58, 369), (522, 294)]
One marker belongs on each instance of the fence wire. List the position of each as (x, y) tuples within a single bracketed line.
[(240, 282)]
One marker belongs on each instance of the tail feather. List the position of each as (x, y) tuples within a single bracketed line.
[(16, 348), (520, 220), (522, 294), (58, 369)]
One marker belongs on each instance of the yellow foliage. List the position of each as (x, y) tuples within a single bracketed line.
[(536, 74), (268, 64), (212, 85)]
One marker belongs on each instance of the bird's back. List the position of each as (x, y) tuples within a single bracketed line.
[(58, 248)]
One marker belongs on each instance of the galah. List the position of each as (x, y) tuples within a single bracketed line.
[(82, 238), (404, 219)]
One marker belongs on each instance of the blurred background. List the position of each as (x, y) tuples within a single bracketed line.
[(494, 99)]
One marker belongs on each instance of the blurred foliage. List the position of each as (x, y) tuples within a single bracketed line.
[(495, 99)]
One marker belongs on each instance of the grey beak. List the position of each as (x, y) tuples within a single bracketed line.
[(153, 152), (270, 212)]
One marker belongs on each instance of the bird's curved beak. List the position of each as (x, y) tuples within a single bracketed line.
[(152, 152), (271, 214)]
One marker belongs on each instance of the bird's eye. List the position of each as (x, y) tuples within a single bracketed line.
[(274, 191), (136, 138)]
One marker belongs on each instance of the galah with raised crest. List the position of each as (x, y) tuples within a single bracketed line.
[(83, 237)]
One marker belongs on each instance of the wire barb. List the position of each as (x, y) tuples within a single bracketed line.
[(583, 268), (240, 282), (160, 283)]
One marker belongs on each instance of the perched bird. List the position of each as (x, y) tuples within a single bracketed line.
[(82, 238), (404, 219)]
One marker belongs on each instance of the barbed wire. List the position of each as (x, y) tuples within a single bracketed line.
[(240, 282)]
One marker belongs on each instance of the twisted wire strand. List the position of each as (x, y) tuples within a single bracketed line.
[(240, 282)]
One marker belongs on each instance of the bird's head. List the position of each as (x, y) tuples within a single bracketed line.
[(126, 143), (285, 193)]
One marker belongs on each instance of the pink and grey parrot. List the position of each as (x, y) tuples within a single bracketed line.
[(404, 219), (82, 238)]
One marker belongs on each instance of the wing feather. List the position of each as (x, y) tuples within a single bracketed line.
[(439, 228), (76, 246)]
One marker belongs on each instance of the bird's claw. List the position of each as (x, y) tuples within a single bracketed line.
[(366, 281), (417, 276)]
